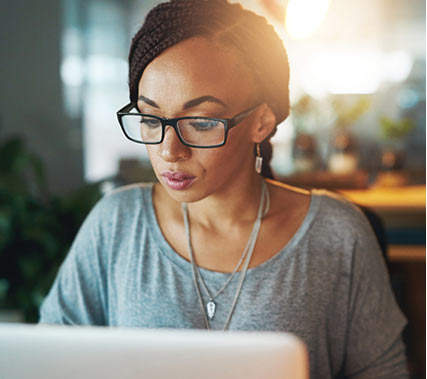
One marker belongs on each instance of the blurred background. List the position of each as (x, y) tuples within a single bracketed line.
[(357, 126)]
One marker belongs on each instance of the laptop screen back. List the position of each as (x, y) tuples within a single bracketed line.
[(44, 352)]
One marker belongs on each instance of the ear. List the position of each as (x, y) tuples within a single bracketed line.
[(264, 124)]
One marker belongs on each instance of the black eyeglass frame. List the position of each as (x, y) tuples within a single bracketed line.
[(229, 123)]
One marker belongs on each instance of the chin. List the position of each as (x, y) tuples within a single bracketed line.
[(186, 196), (183, 193)]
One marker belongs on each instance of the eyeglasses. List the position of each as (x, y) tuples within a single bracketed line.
[(202, 132)]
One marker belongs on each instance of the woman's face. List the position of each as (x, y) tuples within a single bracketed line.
[(196, 77)]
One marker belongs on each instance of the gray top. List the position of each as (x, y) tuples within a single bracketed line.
[(328, 285)]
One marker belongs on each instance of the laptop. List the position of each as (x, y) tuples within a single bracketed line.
[(63, 352)]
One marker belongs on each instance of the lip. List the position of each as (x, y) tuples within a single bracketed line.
[(177, 180)]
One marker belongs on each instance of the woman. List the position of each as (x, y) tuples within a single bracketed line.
[(214, 244)]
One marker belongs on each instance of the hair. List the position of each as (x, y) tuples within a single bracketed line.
[(252, 37)]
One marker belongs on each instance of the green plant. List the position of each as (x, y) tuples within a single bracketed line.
[(347, 114), (36, 227), (394, 130)]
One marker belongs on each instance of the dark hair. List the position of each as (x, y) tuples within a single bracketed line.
[(251, 35)]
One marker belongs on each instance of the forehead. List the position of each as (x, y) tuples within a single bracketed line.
[(193, 68)]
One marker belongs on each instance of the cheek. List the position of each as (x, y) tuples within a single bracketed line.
[(235, 153), (238, 146), (150, 151), (226, 160), (153, 155), (212, 158)]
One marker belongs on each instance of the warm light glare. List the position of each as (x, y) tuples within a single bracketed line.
[(397, 66), (354, 71), (303, 17), (343, 73)]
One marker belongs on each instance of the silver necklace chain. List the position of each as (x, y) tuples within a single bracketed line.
[(253, 235), (246, 258)]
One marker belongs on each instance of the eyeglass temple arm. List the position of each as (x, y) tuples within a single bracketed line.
[(241, 116), (126, 108)]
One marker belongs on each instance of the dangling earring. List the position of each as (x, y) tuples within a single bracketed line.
[(258, 160)]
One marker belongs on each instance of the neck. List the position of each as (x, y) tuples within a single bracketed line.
[(235, 204)]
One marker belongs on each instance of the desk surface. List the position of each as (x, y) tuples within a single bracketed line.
[(407, 253), (410, 198)]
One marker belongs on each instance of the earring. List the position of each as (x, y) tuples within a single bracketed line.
[(258, 160)]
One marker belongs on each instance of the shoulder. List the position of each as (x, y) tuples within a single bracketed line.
[(117, 220), (121, 206), (334, 210), (327, 209), (130, 192), (127, 197), (343, 226)]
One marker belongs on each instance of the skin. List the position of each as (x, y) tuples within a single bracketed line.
[(221, 208)]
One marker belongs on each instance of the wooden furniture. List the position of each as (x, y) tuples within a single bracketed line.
[(400, 208), (401, 199), (406, 253)]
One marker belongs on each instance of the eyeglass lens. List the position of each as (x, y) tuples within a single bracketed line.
[(195, 131)]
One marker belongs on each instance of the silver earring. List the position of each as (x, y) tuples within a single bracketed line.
[(258, 160)]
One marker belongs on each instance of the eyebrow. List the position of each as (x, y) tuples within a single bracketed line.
[(202, 99), (148, 101), (188, 104)]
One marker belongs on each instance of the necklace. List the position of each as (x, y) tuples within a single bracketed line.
[(211, 305), (209, 312)]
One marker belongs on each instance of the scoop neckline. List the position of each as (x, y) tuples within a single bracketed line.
[(167, 250)]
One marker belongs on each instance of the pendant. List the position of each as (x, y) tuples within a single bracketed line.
[(210, 308)]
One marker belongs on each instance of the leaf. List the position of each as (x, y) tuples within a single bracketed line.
[(4, 286), (347, 115), (36, 227), (396, 129)]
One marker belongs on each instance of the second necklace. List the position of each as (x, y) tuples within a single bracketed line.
[(209, 311)]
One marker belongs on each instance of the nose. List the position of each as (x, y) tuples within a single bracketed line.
[(172, 149)]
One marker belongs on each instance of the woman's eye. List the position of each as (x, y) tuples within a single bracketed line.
[(204, 124), (150, 122)]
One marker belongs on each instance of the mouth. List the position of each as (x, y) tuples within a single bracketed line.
[(177, 180)]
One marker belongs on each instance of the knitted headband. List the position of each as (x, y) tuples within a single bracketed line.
[(172, 22)]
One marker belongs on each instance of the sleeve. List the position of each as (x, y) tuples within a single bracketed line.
[(79, 292), (374, 342)]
